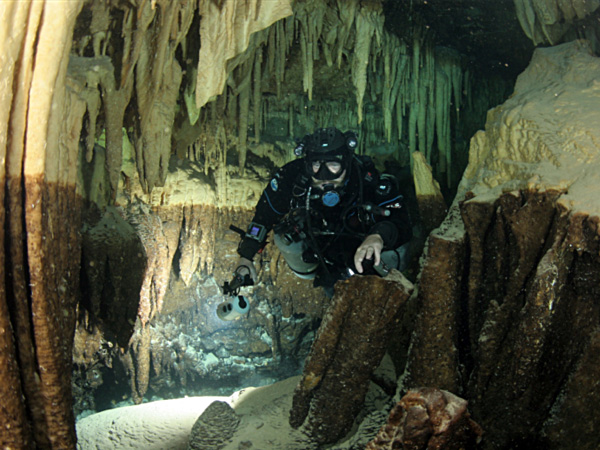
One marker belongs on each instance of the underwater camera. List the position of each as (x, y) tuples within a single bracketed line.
[(234, 308), (237, 305)]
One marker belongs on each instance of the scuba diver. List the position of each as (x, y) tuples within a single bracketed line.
[(332, 214)]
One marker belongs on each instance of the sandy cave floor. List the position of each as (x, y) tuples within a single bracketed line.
[(166, 424)]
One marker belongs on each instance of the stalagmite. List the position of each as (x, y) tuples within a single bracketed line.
[(351, 323), (432, 207)]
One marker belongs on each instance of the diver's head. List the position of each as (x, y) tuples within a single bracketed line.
[(328, 154), (323, 172)]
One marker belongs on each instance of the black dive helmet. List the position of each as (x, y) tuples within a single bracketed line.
[(326, 145)]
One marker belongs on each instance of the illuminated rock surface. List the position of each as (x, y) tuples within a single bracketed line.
[(103, 110)]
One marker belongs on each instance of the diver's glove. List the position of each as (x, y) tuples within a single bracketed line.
[(370, 249)]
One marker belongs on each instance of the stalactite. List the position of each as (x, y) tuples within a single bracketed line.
[(567, 9), (307, 63), (431, 116), (347, 12), (222, 40), (257, 95), (309, 18), (442, 100), (548, 20), (157, 89), (368, 22), (546, 11), (189, 97), (390, 87), (422, 116), (283, 46), (457, 87), (21, 378), (584, 7), (328, 37), (244, 89), (412, 130), (97, 75)]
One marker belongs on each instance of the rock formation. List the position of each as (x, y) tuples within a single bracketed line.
[(214, 428), (428, 418), (351, 342), (508, 318), (40, 221)]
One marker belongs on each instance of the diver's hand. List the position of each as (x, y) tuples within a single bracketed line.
[(370, 248), (246, 267)]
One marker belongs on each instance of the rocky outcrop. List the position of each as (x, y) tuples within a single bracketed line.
[(113, 266), (348, 348), (214, 428), (428, 418), (509, 283)]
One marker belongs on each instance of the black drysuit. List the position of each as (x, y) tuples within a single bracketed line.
[(368, 204)]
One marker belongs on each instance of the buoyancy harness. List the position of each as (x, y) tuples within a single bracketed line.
[(307, 219)]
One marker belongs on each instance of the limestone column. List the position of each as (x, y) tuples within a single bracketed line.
[(40, 125)]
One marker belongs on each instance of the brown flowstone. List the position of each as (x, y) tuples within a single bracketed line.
[(350, 344), (529, 319), (38, 315), (574, 416), (433, 358)]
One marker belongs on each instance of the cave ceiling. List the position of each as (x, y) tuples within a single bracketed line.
[(486, 31)]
